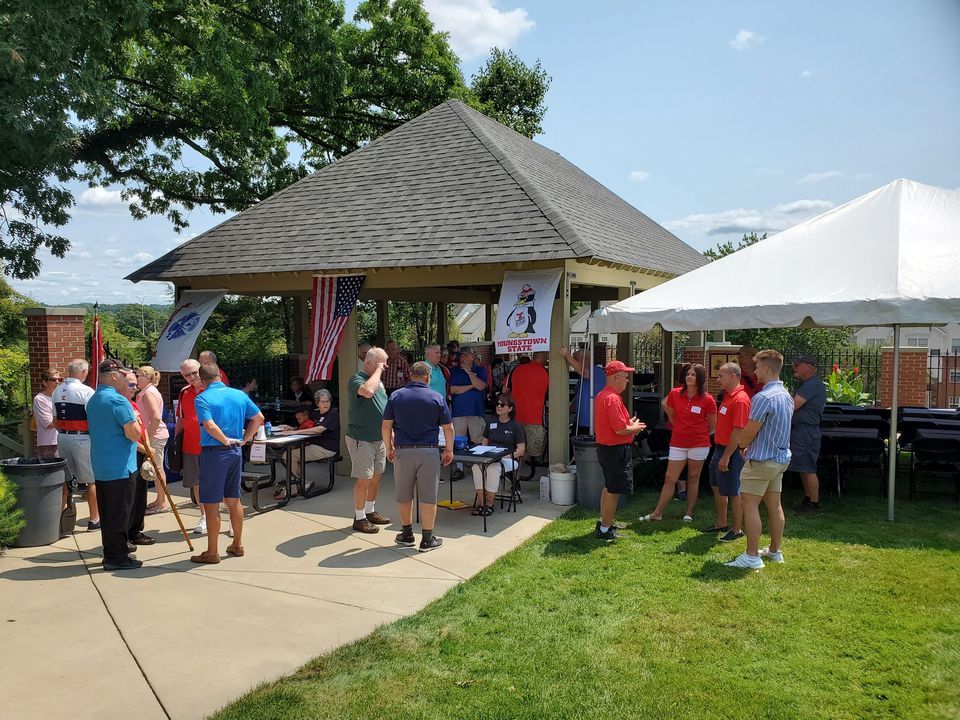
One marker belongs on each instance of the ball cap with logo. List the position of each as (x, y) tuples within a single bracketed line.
[(110, 365), (614, 367)]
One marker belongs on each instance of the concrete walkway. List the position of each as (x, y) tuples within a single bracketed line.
[(179, 640)]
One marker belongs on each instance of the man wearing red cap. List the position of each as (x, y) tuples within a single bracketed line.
[(615, 431)]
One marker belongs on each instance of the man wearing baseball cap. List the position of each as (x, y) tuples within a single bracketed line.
[(114, 432), (809, 400), (615, 430)]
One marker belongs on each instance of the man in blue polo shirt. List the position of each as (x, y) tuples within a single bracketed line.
[(766, 442), (410, 422), (114, 431), (228, 420)]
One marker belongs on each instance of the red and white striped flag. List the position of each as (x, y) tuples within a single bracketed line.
[(334, 298), (97, 353)]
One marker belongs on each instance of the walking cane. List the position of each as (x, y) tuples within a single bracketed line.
[(173, 506)]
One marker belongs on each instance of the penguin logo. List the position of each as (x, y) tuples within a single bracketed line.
[(521, 319), (183, 326)]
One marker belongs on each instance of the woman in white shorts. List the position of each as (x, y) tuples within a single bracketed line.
[(692, 414)]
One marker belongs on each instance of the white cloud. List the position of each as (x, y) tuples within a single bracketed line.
[(100, 196), (818, 176), (475, 26), (742, 220), (142, 257), (639, 176), (805, 74), (111, 252), (746, 39)]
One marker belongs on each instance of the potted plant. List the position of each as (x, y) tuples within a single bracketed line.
[(11, 516)]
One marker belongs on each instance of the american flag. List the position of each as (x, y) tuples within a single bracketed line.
[(334, 298)]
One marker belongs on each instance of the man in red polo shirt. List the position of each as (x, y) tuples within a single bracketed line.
[(189, 425), (748, 371), (615, 430), (528, 387), (727, 461)]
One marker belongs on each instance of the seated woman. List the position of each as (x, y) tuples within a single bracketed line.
[(504, 432), (324, 423), (299, 392)]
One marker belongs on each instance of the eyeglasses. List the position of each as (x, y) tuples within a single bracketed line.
[(503, 405), (191, 374)]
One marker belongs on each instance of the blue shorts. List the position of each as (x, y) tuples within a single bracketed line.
[(220, 469), (728, 483), (804, 448)]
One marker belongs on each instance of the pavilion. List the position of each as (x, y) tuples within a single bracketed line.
[(435, 211)]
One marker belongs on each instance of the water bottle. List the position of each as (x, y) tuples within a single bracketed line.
[(269, 428)]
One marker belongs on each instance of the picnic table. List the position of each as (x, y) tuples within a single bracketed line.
[(484, 459), (279, 448)]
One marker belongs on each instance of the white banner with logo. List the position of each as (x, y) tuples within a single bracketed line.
[(524, 311), (183, 328)]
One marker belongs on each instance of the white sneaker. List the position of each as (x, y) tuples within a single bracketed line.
[(201, 528), (749, 562), (776, 557), (687, 518)]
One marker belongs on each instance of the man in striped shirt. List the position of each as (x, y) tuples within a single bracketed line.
[(766, 445)]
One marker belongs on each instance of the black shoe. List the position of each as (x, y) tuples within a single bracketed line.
[(407, 540), (127, 563), (432, 544), (730, 536), (714, 529), (131, 548), (93, 525), (457, 475), (610, 534), (808, 507), (142, 539)]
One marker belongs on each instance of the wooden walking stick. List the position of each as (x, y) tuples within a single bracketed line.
[(149, 452)]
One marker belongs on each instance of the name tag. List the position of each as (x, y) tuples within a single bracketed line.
[(695, 409), (723, 411), (493, 426)]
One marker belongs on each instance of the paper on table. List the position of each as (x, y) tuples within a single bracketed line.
[(484, 449)]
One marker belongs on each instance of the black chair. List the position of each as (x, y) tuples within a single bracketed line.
[(857, 452), (833, 446), (937, 456)]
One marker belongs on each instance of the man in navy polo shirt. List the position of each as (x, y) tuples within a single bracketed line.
[(410, 422), (114, 432), (228, 419)]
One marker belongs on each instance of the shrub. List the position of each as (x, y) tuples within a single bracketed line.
[(846, 386), (11, 516)]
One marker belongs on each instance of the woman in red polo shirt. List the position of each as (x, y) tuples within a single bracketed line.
[(692, 412)]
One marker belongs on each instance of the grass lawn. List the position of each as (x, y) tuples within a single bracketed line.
[(863, 621)]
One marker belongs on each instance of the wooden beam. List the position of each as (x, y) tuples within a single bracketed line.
[(625, 348), (301, 325), (429, 294), (488, 322), (559, 389), (666, 363), (443, 329), (346, 368)]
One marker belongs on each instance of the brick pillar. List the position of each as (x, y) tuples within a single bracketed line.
[(913, 376), (55, 336)]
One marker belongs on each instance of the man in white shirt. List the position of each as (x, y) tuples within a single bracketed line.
[(73, 439)]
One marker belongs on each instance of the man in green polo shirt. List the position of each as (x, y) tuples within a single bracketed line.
[(367, 398)]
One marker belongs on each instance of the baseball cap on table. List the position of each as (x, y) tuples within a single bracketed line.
[(615, 367), (805, 358), (110, 364)]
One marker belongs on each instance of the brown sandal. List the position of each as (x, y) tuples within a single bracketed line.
[(235, 550)]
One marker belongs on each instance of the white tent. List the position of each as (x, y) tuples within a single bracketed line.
[(890, 257)]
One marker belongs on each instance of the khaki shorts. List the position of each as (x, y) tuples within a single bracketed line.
[(536, 437), (416, 468), (471, 426), (367, 457), (761, 476)]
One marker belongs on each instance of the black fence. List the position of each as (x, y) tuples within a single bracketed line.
[(943, 379), (865, 360)]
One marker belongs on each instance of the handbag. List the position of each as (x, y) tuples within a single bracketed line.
[(175, 454)]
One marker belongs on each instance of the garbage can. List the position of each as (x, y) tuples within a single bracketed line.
[(589, 473), (38, 485)]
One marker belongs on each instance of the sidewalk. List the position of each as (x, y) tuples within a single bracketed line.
[(179, 640)]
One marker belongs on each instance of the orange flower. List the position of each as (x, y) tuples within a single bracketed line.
[(856, 371), (836, 367)]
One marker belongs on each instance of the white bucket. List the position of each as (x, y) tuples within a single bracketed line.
[(563, 488)]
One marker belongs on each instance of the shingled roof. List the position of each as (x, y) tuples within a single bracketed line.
[(451, 187)]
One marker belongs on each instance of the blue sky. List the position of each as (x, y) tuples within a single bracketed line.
[(714, 119)]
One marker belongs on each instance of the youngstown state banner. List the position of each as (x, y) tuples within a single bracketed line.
[(524, 311)]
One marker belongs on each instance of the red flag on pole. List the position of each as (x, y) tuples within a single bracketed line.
[(334, 298), (96, 348)]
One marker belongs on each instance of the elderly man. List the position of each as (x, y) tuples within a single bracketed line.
[(73, 440), (615, 433), (410, 422), (809, 399), (209, 357), (228, 420), (467, 383), (189, 426), (114, 432), (367, 399), (766, 445), (439, 375), (582, 397), (748, 370), (528, 388), (397, 372), (727, 462)]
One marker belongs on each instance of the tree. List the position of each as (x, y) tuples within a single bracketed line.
[(211, 102), (726, 248)]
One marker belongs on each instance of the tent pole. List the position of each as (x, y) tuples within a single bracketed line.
[(892, 448), (588, 363)]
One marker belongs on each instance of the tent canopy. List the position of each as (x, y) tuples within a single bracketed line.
[(889, 257)]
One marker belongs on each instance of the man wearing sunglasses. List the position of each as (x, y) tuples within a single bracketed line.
[(189, 426)]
